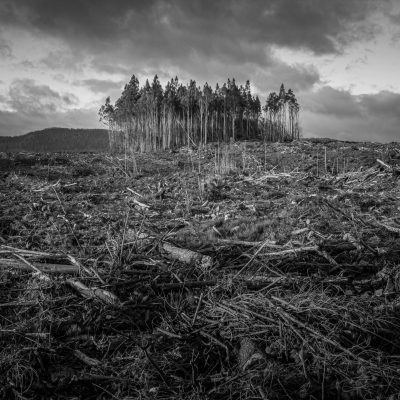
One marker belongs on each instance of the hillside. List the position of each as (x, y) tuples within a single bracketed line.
[(56, 140)]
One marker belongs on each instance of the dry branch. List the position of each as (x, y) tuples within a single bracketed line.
[(39, 273), (293, 251), (45, 268), (94, 293), (384, 164), (389, 228), (266, 243)]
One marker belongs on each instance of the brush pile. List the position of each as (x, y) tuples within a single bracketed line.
[(174, 276)]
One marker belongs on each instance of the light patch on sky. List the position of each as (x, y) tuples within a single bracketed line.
[(363, 67), (48, 62)]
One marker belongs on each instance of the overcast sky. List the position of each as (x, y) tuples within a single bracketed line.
[(60, 59)]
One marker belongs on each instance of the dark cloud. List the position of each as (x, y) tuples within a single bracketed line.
[(342, 104), (100, 86), (357, 129), (72, 60), (100, 66), (334, 102), (27, 97), (341, 115), (395, 18), (26, 64), (384, 104), (5, 49), (298, 77), (234, 31), (59, 77)]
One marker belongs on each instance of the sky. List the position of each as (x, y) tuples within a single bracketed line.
[(59, 60)]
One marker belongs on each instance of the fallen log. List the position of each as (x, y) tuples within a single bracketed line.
[(6, 263), (188, 256)]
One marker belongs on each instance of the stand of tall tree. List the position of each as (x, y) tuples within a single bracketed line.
[(281, 121), (151, 117)]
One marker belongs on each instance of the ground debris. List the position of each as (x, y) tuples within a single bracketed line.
[(168, 275)]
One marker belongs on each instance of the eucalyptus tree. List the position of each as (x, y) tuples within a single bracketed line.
[(235, 100), (223, 93), (171, 114), (294, 108), (247, 99), (156, 96), (207, 99), (151, 117), (277, 108), (106, 116)]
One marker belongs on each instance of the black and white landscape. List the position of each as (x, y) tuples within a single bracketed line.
[(199, 199)]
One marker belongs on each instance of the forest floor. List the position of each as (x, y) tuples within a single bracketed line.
[(243, 271)]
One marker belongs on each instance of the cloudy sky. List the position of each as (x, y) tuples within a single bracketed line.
[(60, 59)]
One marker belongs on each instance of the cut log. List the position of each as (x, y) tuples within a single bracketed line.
[(188, 256)]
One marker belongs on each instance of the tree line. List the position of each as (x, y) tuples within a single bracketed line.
[(151, 117)]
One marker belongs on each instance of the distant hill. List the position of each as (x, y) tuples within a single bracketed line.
[(56, 140)]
